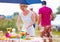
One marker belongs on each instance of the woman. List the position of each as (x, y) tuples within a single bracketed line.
[(28, 19)]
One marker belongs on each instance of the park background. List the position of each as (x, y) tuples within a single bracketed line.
[(10, 11)]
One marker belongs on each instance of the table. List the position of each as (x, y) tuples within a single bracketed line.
[(34, 39)]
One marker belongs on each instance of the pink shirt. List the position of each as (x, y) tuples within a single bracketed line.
[(45, 12)]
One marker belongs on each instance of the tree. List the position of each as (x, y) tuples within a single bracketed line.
[(58, 10), (15, 15), (7, 23)]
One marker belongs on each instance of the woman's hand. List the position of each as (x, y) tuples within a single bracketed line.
[(27, 28)]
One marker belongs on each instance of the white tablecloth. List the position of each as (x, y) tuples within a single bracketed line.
[(35, 39)]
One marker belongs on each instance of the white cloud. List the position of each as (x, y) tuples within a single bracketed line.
[(8, 9)]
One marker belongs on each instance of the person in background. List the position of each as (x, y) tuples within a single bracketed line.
[(34, 25), (27, 18), (44, 21)]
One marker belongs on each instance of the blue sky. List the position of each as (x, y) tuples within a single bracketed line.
[(9, 8)]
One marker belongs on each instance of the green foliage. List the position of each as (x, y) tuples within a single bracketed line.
[(9, 22), (5, 23), (15, 15), (58, 10)]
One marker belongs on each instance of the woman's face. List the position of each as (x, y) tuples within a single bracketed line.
[(23, 7)]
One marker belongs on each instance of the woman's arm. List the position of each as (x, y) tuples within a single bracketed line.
[(39, 19), (18, 23), (32, 22)]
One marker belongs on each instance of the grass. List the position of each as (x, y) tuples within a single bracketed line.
[(37, 32), (54, 32)]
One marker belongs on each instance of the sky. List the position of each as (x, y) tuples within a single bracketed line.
[(9, 8)]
